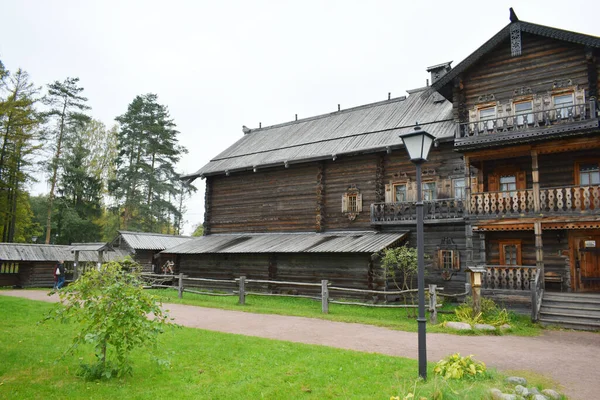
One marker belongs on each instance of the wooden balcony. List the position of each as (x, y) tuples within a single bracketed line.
[(535, 125), (405, 213), (566, 200)]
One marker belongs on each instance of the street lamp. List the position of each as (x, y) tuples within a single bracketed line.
[(418, 143)]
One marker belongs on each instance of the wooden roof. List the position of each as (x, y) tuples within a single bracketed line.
[(368, 128)]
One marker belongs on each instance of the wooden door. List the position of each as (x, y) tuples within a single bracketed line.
[(587, 263)]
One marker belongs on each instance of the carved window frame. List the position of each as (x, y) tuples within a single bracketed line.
[(502, 244), (352, 202), (447, 258)]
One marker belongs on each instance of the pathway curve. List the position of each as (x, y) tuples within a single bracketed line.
[(570, 358)]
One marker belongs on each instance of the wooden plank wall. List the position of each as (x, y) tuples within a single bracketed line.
[(346, 270), (443, 165), (559, 169), (37, 274), (359, 171), (270, 200), (543, 60)]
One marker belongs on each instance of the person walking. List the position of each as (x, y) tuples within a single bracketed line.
[(60, 274)]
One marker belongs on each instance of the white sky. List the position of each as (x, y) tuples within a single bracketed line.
[(219, 65)]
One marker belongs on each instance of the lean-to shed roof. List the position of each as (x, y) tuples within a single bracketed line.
[(368, 128), (331, 242), (151, 241), (51, 252)]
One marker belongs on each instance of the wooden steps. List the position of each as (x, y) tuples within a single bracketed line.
[(571, 310)]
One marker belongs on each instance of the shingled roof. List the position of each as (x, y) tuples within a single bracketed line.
[(151, 241), (368, 128)]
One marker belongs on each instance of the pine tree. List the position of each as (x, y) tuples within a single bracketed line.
[(66, 114), (19, 123), (146, 183)]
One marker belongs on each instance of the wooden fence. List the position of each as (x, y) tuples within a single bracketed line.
[(239, 287)]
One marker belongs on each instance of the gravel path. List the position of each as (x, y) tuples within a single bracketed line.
[(570, 358)]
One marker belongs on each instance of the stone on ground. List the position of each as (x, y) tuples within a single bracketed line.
[(552, 394), (459, 326), (516, 380)]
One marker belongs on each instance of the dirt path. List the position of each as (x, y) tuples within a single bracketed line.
[(570, 358)]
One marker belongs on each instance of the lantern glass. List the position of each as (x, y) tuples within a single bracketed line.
[(418, 144)]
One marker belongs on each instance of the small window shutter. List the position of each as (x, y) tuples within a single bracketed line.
[(345, 202), (474, 185), (521, 180), (493, 183), (456, 260), (439, 260), (388, 194), (359, 202)]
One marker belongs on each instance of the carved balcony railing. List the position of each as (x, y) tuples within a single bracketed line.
[(406, 212), (534, 123), (570, 199), (508, 277), (502, 204)]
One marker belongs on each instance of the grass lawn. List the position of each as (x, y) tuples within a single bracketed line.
[(207, 365), (394, 318)]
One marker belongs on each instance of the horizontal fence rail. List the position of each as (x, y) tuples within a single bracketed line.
[(238, 287)]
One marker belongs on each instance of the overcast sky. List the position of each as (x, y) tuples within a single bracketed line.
[(219, 65)]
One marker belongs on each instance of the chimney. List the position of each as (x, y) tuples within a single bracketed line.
[(437, 71)]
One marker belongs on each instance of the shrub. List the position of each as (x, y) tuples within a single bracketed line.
[(490, 313), (112, 312), (457, 367)]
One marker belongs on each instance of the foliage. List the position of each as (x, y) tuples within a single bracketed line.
[(111, 310), (457, 367), (145, 186), (65, 117), (198, 230), (19, 124), (400, 264), (489, 314)]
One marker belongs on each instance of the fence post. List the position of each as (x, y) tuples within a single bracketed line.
[(324, 296), (468, 288), (433, 304), (180, 286), (242, 290)]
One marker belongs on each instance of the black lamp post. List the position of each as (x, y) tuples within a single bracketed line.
[(418, 143)]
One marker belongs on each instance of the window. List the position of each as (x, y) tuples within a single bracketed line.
[(400, 193), (508, 185), (523, 111), (510, 252), (352, 202), (487, 115), (589, 174), (428, 191), (9, 268), (563, 103), (446, 259), (459, 188)]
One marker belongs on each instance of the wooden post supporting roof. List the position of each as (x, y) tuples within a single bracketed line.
[(536, 180), (539, 250)]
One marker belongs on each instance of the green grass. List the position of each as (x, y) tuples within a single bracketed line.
[(386, 317), (205, 365)]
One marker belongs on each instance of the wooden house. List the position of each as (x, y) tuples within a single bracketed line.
[(526, 122), (512, 184), (145, 247), (33, 265)]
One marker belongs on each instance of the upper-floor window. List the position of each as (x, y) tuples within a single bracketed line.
[(523, 112), (563, 103), (428, 191), (589, 174), (352, 201), (352, 205), (486, 117), (459, 188), (400, 193)]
